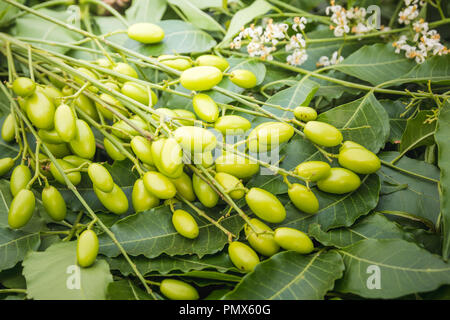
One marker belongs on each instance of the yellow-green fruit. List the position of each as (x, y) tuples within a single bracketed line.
[(229, 182), (200, 78), (53, 94), (6, 164), (243, 78), (184, 186), (339, 181), (141, 199), (76, 160), (87, 106), (205, 107), (74, 177), (50, 136), (294, 240), (20, 177), (40, 110), (205, 194), (123, 130), (188, 116), (236, 165), (142, 149), (65, 123), (115, 201), (350, 144), (305, 114), (159, 185), (195, 139), (205, 159), (23, 86), (242, 256), (185, 224), (54, 203), (269, 134), (175, 62), (145, 32), (59, 150), (113, 103), (100, 177), (9, 128), (313, 170), (67, 91), (232, 125), (104, 63), (83, 144), (171, 157), (125, 69), (322, 133), (178, 290), (21, 209), (82, 81), (87, 248), (303, 199), (163, 113), (113, 151), (265, 205), (359, 160), (139, 93), (262, 240), (212, 61)]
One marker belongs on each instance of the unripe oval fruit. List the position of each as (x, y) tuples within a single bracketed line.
[(20, 177), (87, 106), (100, 177), (123, 130), (87, 248), (40, 110), (187, 115), (59, 150), (200, 78), (139, 93), (53, 93), (242, 256), (205, 159), (145, 32), (205, 194), (54, 203), (81, 80), (205, 107), (142, 149), (185, 224), (141, 199), (67, 91), (21, 209), (175, 62), (243, 78), (83, 144), (195, 139), (359, 160), (163, 113), (23, 86), (184, 186), (6, 164), (263, 243), (303, 198), (171, 157), (313, 170), (104, 63), (9, 128), (115, 201), (159, 185), (125, 69), (229, 182), (232, 125), (178, 290), (213, 61), (339, 181), (113, 151), (265, 205), (50, 136), (350, 144), (267, 134), (293, 239), (305, 114), (76, 160), (74, 177), (322, 133), (65, 123), (113, 102), (236, 165)]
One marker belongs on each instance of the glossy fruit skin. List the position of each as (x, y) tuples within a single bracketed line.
[(123, 130), (142, 149), (229, 182), (213, 61), (313, 170), (104, 63), (6, 164), (100, 177), (54, 203), (339, 181), (125, 69), (67, 91), (293, 239), (50, 136), (53, 93), (9, 128), (359, 160), (141, 199), (265, 205), (188, 115), (175, 62), (116, 105), (21, 209), (87, 248), (185, 224), (83, 144), (115, 201), (322, 133), (159, 185), (76, 160), (263, 243), (87, 106), (243, 78), (40, 110), (184, 186), (236, 165), (139, 93), (242, 256), (200, 78), (350, 144), (305, 114), (146, 32), (23, 86), (171, 158), (195, 139), (178, 290), (205, 159), (65, 123), (20, 177), (205, 194), (112, 151), (74, 177), (205, 107), (268, 134), (232, 125), (89, 74), (59, 150), (303, 198)]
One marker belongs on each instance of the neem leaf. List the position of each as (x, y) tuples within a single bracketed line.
[(126, 290)]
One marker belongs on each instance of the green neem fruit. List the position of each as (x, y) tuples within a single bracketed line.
[(104, 63), (40, 110), (87, 248), (184, 186), (242, 256), (65, 123), (185, 224), (339, 181), (125, 69), (303, 199), (23, 86), (350, 144), (265, 205), (243, 78), (141, 199), (188, 116), (76, 160), (139, 93), (207, 196), (123, 130), (83, 144), (229, 182), (87, 106), (142, 149), (67, 91), (293, 239), (175, 62), (212, 61), (359, 160), (145, 32), (205, 107), (236, 165), (232, 125), (269, 134), (322, 133), (205, 159), (82, 81), (100, 177), (6, 164), (54, 203), (113, 151), (262, 240), (9, 128), (159, 185), (178, 290), (171, 157), (200, 78), (53, 93), (195, 139), (313, 170), (113, 104), (305, 113), (20, 177), (115, 201), (50, 136), (21, 209), (74, 177), (163, 114), (59, 150)]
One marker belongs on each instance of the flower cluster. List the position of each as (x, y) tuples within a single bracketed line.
[(324, 61), (411, 11)]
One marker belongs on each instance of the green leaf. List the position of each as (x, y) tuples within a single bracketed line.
[(435, 69), (293, 276), (396, 121), (146, 11), (403, 268), (109, 24), (418, 132), (7, 12), (126, 290), (14, 245), (55, 275)]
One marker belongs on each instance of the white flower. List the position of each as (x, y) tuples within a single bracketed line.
[(299, 23), (324, 61), (298, 57)]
